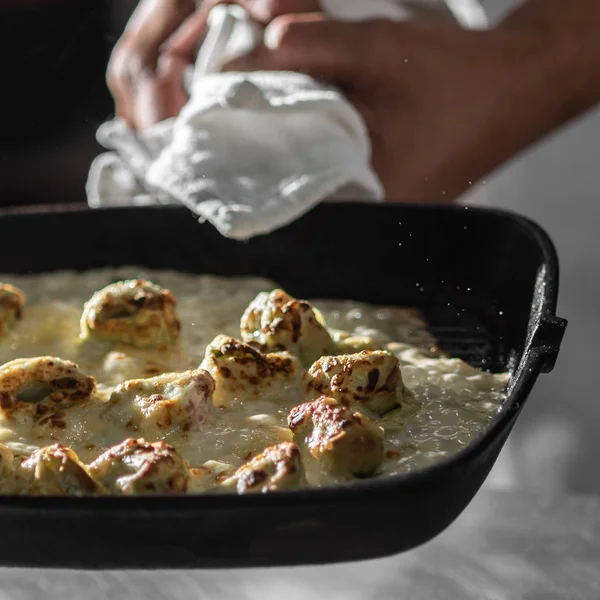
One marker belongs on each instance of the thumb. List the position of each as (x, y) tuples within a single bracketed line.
[(334, 51)]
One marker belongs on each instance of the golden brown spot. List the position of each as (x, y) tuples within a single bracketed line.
[(200, 471), (373, 379), (150, 371)]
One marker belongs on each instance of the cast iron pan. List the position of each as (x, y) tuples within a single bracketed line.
[(487, 281)]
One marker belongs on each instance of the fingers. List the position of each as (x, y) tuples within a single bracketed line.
[(117, 80), (188, 38), (144, 97), (145, 73), (151, 25), (161, 17), (265, 11), (161, 96), (135, 57), (314, 45)]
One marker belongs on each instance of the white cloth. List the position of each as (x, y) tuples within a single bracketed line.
[(250, 152)]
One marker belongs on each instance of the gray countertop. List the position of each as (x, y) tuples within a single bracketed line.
[(505, 546)]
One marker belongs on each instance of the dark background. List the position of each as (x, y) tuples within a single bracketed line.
[(53, 94)]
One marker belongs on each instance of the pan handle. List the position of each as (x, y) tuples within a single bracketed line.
[(547, 339)]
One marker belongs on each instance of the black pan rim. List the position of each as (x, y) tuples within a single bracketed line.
[(351, 492)]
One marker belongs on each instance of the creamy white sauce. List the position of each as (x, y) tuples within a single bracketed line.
[(453, 402)]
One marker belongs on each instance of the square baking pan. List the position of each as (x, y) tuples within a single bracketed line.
[(487, 283)]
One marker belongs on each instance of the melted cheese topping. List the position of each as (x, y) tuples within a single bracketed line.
[(451, 401)]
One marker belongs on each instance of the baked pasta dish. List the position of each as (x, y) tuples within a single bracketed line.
[(125, 381)]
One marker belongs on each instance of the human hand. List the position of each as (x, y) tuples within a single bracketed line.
[(146, 70), (145, 80), (443, 105)]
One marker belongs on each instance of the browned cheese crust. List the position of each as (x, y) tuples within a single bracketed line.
[(276, 322), (42, 387), (137, 312), (154, 405), (56, 470), (12, 301), (372, 379), (242, 372), (276, 468), (140, 467), (346, 444)]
